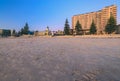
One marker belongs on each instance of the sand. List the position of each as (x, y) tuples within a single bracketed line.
[(59, 59)]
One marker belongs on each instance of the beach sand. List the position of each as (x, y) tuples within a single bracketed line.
[(59, 59)]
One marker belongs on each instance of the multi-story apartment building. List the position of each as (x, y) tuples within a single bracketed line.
[(100, 18)]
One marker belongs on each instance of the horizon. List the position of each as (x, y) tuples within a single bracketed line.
[(42, 13)]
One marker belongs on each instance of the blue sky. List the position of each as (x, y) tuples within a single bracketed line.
[(42, 13)]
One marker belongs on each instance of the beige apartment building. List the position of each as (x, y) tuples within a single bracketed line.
[(100, 18)]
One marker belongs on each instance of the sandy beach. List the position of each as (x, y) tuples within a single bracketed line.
[(59, 59)]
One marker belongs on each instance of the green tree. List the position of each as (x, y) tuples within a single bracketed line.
[(26, 29), (93, 29), (14, 32), (78, 28), (67, 28), (111, 25), (18, 34), (22, 31)]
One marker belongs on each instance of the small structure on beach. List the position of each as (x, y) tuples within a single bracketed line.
[(47, 32), (5, 32)]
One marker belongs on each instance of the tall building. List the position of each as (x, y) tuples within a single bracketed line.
[(100, 18)]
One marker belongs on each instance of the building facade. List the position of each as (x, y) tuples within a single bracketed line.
[(118, 29), (100, 18), (5, 32), (47, 32)]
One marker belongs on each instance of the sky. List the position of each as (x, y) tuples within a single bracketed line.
[(42, 13)]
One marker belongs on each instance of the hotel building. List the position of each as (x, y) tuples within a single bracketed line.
[(100, 19)]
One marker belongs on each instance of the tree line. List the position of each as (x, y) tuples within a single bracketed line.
[(109, 28), (23, 31)]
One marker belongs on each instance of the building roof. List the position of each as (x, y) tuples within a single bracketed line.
[(85, 13), (109, 6), (95, 11)]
